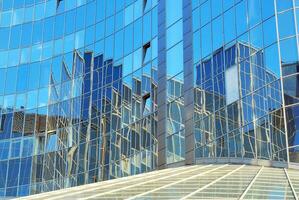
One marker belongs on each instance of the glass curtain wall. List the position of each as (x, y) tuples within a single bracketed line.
[(245, 79), (78, 92), (175, 135)]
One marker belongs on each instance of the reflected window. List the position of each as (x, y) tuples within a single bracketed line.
[(288, 49), (4, 150), (79, 39), (231, 84), (13, 173), (292, 118), (291, 89), (146, 103), (146, 52), (206, 70), (145, 5), (51, 142), (15, 148), (289, 69), (9, 101), (58, 3), (20, 101), (230, 56), (25, 172)]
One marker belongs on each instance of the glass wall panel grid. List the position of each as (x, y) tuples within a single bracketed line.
[(255, 125), (79, 95), (63, 114)]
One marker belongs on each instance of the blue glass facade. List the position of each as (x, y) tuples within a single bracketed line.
[(242, 53), (78, 92), (92, 90)]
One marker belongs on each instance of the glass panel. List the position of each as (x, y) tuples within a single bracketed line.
[(217, 27), (174, 60), (229, 25), (206, 40), (173, 11), (286, 24), (174, 34)]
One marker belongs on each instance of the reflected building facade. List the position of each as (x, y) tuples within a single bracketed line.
[(80, 105), (245, 64), (92, 90), (238, 112)]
